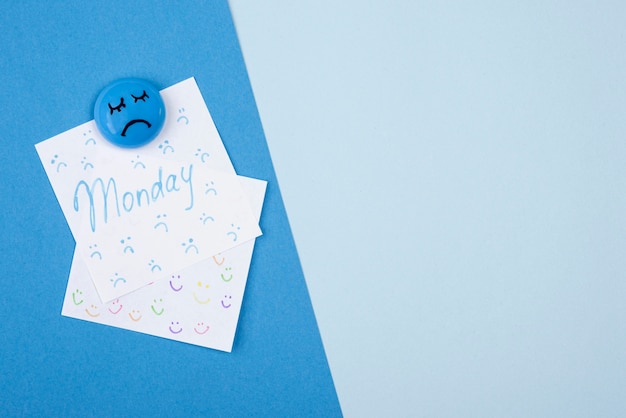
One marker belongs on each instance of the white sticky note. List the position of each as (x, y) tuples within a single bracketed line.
[(139, 214), (198, 305), (132, 225)]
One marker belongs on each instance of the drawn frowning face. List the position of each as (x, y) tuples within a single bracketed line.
[(129, 112)]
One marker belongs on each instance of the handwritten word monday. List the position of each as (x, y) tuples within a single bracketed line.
[(102, 195)]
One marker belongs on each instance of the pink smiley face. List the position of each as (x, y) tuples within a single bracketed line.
[(200, 328), (116, 307)]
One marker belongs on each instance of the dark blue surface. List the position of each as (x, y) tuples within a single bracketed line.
[(55, 60)]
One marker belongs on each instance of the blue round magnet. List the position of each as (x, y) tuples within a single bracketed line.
[(129, 112)]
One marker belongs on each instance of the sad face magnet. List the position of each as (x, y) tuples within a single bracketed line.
[(129, 112)]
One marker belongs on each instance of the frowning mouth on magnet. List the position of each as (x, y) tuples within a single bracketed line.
[(134, 121)]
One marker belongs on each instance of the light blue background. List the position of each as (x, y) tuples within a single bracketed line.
[(454, 175)]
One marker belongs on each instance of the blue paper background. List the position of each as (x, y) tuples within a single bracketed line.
[(55, 60)]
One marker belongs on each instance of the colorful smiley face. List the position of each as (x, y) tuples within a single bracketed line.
[(135, 315), (175, 283), (175, 327), (226, 301), (92, 311), (201, 329), (115, 307), (156, 307), (201, 299), (77, 297), (129, 112)]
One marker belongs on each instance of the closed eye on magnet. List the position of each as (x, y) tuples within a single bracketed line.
[(119, 106), (143, 97)]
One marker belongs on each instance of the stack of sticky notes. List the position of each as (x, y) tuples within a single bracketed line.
[(164, 233)]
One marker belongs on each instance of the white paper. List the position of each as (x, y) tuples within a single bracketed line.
[(179, 229), (198, 305), (138, 214)]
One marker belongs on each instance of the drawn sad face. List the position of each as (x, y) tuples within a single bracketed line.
[(129, 112)]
